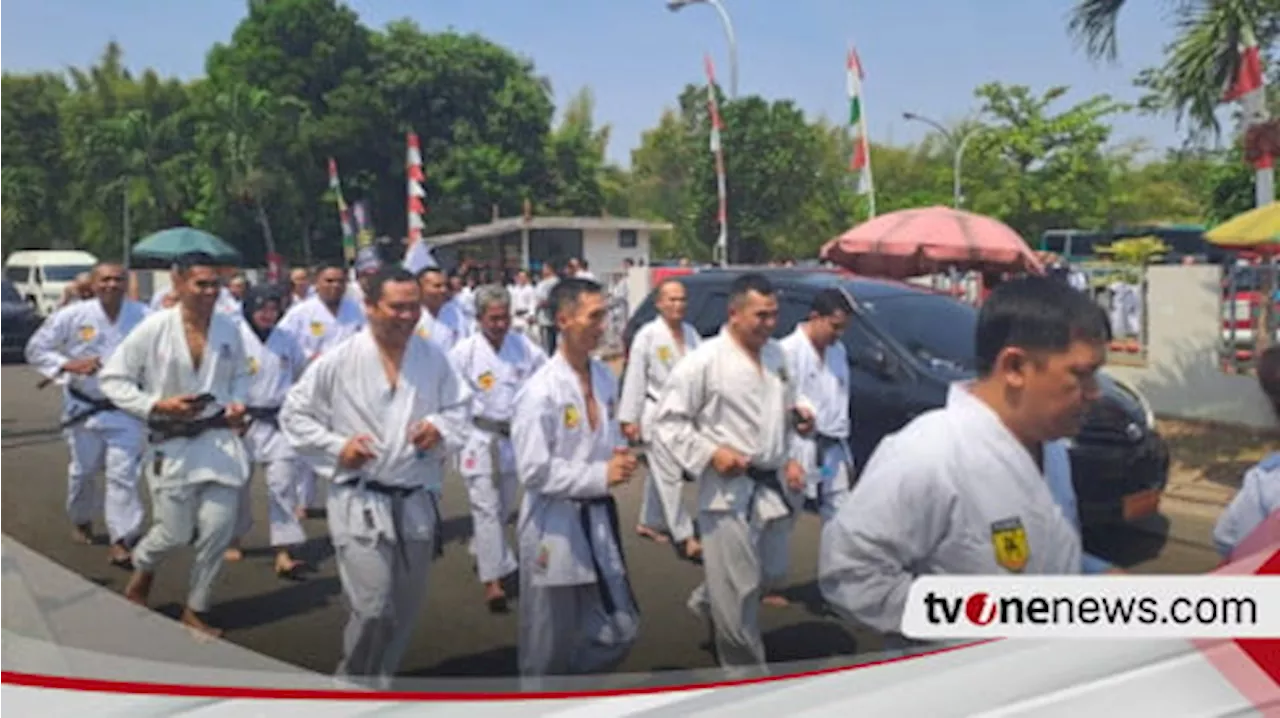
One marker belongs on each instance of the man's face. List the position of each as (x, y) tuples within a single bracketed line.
[(435, 292), (582, 325), (394, 317), (331, 285), (1057, 389), (199, 288), (754, 318), (522, 278), (672, 302), (299, 278), (828, 330), (495, 321), (108, 283), (237, 287)]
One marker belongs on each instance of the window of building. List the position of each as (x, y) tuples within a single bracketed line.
[(627, 239)]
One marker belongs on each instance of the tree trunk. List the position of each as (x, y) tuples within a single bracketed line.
[(265, 224)]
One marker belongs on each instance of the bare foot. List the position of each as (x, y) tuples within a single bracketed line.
[(233, 553), (118, 555), (300, 512), (646, 532), (199, 629), (693, 549), (289, 567), (774, 600), (82, 534), (495, 597), (139, 587)]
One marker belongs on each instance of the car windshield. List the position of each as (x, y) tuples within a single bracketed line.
[(10, 294), (938, 330), (64, 272)]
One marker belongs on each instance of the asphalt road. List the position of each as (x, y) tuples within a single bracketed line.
[(301, 623)]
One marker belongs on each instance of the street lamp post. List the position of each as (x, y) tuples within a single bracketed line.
[(675, 5), (958, 164)]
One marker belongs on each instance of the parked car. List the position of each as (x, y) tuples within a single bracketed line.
[(20, 321), (906, 345), (41, 276)]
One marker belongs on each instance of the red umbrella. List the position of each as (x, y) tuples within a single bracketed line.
[(913, 242)]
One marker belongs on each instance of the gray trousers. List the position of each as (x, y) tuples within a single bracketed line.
[(730, 594), (662, 506), (282, 500), (493, 503), (206, 511), (565, 630), (384, 594)]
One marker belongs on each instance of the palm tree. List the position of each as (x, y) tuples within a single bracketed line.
[(1202, 61)]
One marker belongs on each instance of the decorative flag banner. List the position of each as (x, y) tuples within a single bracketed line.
[(344, 214), (1250, 90), (717, 149), (418, 256), (860, 161)]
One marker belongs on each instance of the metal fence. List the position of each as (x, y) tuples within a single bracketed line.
[(1246, 290)]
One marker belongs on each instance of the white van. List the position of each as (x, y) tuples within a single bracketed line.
[(42, 275)]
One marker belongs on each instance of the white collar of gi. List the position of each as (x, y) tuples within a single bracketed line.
[(960, 398)]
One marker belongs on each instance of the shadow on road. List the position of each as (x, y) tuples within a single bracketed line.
[(499, 661), (807, 641), (288, 601)]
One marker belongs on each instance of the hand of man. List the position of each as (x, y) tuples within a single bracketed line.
[(631, 431), (236, 414), (425, 436), (1116, 570), (794, 474), (177, 407), (805, 425), (356, 452), (728, 463), (620, 467), (86, 366)]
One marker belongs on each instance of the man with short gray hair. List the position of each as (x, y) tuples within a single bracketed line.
[(495, 362)]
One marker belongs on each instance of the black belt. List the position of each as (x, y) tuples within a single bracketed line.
[(398, 494), (163, 430), (765, 479), (584, 515), (502, 428), (266, 414), (96, 406)]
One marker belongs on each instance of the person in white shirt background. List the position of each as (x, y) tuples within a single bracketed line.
[(524, 305)]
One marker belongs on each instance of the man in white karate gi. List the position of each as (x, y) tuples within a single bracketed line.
[(725, 416), (442, 320), (275, 361), (970, 488), (577, 612), (819, 366), (546, 322), (377, 414), (524, 305), (184, 371), (317, 324), (496, 363), (69, 349), (655, 350)]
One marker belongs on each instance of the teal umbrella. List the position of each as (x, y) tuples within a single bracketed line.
[(169, 244)]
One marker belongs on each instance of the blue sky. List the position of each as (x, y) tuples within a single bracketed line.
[(923, 56)]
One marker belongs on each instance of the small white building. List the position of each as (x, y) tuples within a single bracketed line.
[(517, 242)]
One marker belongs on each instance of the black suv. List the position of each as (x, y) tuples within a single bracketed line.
[(906, 345)]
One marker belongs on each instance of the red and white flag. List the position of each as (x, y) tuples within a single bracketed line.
[(860, 160)]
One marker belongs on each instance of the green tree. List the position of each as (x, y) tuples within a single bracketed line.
[(33, 174)]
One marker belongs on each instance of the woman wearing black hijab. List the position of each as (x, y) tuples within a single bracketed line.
[(275, 361)]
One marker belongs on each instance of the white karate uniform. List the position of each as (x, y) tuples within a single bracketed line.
[(717, 396), (654, 352), (383, 566), (273, 367), (487, 460), (1254, 505), (953, 492), (577, 612), (524, 309), (195, 482), (316, 329), (546, 322), (465, 301), (438, 330), (109, 440), (822, 385)]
